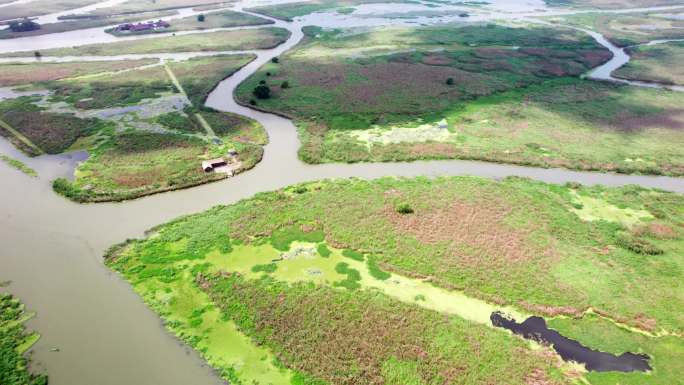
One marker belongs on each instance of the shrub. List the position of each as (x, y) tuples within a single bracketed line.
[(37, 54), (375, 270), (637, 245), (262, 91), (450, 81), (404, 208), (64, 187), (268, 74), (323, 250), (267, 268), (275, 60), (262, 81), (353, 277), (353, 255), (200, 18), (282, 238), (285, 84), (252, 102)]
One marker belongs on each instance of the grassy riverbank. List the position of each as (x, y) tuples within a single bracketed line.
[(658, 63), (15, 341), (491, 93), (612, 4), (200, 42), (296, 278), (35, 130), (289, 11), (41, 7), (199, 76), (144, 126), (161, 134), (628, 29), (137, 6), (14, 74)]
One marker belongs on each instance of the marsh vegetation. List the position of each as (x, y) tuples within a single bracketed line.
[(468, 246)]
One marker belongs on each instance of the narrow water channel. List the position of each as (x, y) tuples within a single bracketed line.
[(52, 247)]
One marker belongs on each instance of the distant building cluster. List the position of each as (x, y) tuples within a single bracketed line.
[(149, 26)]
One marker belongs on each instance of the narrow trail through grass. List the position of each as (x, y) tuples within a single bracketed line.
[(207, 127)]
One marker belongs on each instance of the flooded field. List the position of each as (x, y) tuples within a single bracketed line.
[(53, 247)]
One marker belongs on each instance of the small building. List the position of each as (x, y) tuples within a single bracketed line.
[(211, 164)]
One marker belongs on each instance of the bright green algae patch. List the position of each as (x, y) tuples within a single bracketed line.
[(14, 342), (302, 263), (592, 209), (279, 265)]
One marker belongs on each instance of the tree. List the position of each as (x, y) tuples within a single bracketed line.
[(285, 84), (262, 91), (450, 81), (200, 18), (37, 54), (275, 60)]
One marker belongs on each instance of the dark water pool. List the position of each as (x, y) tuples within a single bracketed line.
[(535, 328)]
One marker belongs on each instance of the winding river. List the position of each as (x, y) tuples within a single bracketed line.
[(52, 248)]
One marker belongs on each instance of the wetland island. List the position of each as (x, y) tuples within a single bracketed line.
[(342, 192)]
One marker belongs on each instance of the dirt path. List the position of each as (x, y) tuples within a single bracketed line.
[(210, 131)]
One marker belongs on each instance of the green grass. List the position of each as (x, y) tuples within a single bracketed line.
[(180, 122), (14, 342), (19, 165), (52, 132), (128, 160), (138, 6), (626, 29), (291, 10), (134, 164), (112, 90), (41, 7), (199, 76), (598, 333), (364, 96), (658, 63), (471, 245), (201, 42), (13, 74), (612, 4)]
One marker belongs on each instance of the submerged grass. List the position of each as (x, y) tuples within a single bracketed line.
[(14, 342), (19, 165)]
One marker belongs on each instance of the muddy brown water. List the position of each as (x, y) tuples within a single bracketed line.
[(51, 247), (535, 328)]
